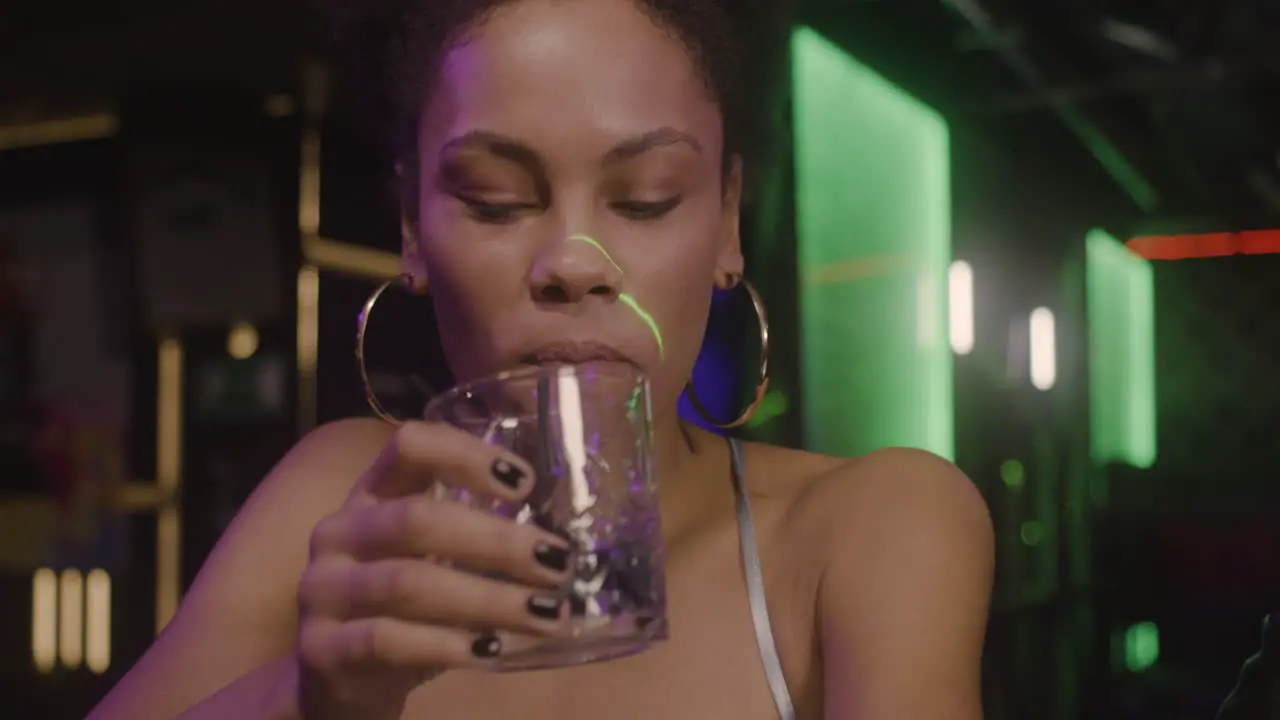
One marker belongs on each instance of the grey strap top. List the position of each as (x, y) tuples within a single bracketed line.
[(755, 589)]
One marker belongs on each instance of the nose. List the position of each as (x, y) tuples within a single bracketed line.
[(572, 269)]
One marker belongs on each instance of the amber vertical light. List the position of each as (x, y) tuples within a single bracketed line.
[(168, 479), (71, 619), (308, 345), (44, 619), (97, 621)]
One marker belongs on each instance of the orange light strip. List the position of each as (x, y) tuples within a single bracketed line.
[(1186, 247)]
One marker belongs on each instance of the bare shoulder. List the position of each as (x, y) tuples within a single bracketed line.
[(785, 474), (269, 537), (899, 484), (240, 613), (903, 545), (876, 499), (323, 466)]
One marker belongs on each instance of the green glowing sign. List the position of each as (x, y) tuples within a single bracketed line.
[(872, 168)]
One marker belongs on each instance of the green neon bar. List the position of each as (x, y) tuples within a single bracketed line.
[(1120, 297), (873, 207)]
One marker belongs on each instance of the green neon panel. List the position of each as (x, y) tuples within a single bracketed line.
[(1120, 293), (873, 213)]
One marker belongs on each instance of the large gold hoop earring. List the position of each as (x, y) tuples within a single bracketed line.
[(362, 329), (762, 383)]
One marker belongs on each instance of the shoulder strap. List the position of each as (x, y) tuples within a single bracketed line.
[(755, 589)]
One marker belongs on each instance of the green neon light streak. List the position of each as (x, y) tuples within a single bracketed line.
[(626, 298), (593, 243), (872, 169), (648, 320)]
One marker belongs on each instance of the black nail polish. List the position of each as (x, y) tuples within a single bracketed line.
[(551, 557), (506, 473), (486, 646), (547, 608)]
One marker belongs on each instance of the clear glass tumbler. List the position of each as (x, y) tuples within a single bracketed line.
[(586, 429)]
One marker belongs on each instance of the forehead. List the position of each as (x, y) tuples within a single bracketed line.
[(570, 70)]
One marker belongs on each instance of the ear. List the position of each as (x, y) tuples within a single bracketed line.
[(411, 261), (729, 262)]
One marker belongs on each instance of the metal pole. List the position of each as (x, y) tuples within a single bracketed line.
[(169, 432)]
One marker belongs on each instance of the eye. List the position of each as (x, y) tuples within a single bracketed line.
[(638, 210), (494, 213)]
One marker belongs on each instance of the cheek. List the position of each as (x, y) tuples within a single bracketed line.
[(475, 284), (681, 304), (675, 284), (464, 259)]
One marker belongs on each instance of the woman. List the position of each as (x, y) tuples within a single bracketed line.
[(535, 121)]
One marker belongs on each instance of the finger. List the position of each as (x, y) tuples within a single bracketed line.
[(421, 526), (420, 454), (425, 592), (383, 642)]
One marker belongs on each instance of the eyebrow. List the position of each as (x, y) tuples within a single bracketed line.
[(509, 148), (652, 140), (505, 147), (495, 144)]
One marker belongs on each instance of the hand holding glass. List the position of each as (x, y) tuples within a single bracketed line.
[(586, 431)]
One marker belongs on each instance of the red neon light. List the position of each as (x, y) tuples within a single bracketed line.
[(1186, 247), (1260, 242)]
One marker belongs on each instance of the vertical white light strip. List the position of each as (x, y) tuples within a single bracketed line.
[(71, 619), (97, 625), (573, 431), (44, 619), (960, 307), (581, 527), (1044, 349)]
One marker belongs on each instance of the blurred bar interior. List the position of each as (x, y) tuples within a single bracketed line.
[(1034, 238)]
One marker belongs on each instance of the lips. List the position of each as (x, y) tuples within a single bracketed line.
[(570, 352)]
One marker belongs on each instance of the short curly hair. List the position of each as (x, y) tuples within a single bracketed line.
[(405, 41)]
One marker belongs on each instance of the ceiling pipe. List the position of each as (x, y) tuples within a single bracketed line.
[(1182, 79), (1128, 177), (1139, 39)]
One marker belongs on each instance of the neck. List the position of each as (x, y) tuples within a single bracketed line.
[(672, 448), (689, 463)]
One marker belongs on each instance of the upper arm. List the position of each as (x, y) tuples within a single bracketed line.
[(240, 612), (904, 597)]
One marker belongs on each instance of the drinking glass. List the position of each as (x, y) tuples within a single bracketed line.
[(586, 430)]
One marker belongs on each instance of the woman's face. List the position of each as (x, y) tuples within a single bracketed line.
[(572, 193)]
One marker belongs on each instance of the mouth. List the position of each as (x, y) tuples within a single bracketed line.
[(569, 352)]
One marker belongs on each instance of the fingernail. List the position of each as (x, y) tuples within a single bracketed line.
[(486, 646), (506, 473), (552, 557), (547, 608)]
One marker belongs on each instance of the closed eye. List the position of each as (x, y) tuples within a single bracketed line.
[(639, 210), (494, 213)]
